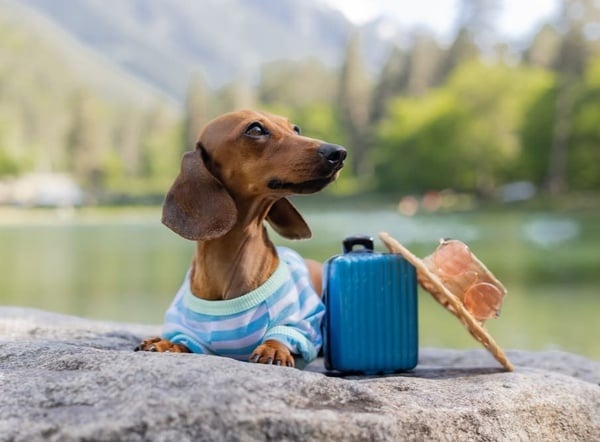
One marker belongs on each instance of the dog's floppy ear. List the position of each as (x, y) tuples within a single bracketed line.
[(287, 221), (197, 205)]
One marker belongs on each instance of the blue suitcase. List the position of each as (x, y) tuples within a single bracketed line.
[(370, 324)]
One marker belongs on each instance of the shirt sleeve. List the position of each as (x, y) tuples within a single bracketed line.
[(299, 326), (175, 328)]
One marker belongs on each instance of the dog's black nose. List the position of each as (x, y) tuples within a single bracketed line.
[(333, 153)]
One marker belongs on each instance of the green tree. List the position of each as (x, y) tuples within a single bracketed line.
[(463, 136), (238, 94), (127, 139), (8, 164), (536, 137), (571, 62), (543, 49), (463, 49), (417, 144), (478, 19), (87, 139), (10, 143), (160, 151), (424, 63), (286, 82), (196, 110), (391, 83), (583, 165), (353, 105)]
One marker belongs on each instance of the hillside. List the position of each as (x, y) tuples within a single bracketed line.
[(30, 38), (65, 108), (162, 42)]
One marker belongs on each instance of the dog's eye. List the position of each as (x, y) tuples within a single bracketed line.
[(256, 130), (296, 129)]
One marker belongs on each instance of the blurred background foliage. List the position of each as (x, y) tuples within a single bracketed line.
[(471, 114)]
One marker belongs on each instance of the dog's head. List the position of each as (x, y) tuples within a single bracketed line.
[(248, 159)]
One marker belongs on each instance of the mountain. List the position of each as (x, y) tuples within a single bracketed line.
[(66, 108), (76, 62), (162, 42)]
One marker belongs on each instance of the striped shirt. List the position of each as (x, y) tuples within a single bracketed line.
[(285, 308)]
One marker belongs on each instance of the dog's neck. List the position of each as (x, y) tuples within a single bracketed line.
[(238, 262)]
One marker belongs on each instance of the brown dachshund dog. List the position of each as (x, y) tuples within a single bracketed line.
[(244, 166)]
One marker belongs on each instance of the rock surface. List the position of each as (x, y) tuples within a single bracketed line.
[(66, 378)]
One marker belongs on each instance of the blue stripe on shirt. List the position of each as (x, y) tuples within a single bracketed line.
[(285, 308)]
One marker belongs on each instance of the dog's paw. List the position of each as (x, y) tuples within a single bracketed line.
[(161, 345), (272, 352)]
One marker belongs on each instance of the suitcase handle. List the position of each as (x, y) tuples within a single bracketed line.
[(359, 240)]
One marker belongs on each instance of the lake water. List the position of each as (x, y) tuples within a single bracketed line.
[(124, 265)]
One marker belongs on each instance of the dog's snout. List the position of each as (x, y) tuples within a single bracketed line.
[(333, 153)]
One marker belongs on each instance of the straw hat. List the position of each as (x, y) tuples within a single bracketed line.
[(454, 290)]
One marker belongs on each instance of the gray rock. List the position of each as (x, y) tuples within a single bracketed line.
[(65, 378)]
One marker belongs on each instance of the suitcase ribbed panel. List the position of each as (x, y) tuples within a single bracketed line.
[(371, 320)]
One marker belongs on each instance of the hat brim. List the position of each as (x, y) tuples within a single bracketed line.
[(432, 283)]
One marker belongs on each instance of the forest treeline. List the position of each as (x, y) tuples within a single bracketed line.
[(469, 116)]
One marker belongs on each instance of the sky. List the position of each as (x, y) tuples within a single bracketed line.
[(518, 18)]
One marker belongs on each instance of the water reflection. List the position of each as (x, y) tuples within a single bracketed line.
[(550, 232), (340, 224)]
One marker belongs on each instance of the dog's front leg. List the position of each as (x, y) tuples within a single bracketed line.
[(161, 345), (272, 352)]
